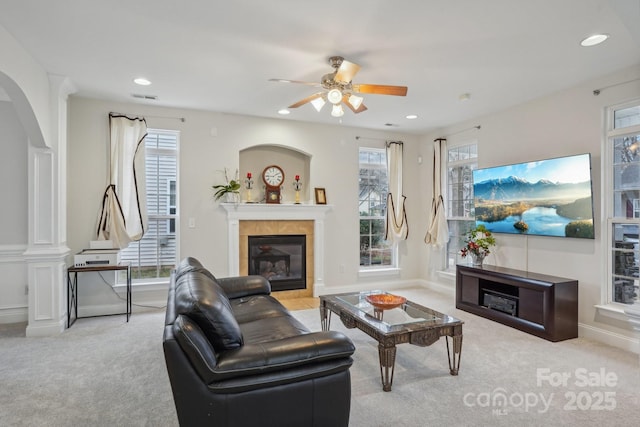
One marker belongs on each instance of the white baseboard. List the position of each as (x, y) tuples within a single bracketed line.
[(610, 338), (448, 288), (46, 329), (14, 314)]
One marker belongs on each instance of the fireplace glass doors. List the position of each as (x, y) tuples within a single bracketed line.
[(281, 259)]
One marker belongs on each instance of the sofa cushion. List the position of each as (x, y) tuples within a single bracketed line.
[(271, 329), (257, 307), (201, 298), (196, 346)]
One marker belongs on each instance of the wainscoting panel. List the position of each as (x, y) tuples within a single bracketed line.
[(13, 284)]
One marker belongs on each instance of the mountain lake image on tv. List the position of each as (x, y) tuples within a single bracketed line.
[(551, 197)]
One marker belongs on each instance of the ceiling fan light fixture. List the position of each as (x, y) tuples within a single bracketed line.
[(334, 96), (337, 110), (355, 101), (318, 103)]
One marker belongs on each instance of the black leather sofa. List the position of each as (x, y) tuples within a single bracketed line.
[(237, 357)]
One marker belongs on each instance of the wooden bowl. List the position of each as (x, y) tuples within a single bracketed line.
[(385, 301)]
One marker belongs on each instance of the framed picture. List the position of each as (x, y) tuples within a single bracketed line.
[(321, 197)]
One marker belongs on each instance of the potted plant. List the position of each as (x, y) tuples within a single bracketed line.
[(477, 244), (230, 190)]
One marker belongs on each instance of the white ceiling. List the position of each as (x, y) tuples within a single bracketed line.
[(219, 56)]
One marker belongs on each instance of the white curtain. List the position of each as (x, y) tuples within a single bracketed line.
[(396, 228), (438, 230), (123, 217)]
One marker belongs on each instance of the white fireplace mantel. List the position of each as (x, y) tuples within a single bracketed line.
[(237, 212)]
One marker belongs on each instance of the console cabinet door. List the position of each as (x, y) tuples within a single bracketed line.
[(470, 290), (531, 305)]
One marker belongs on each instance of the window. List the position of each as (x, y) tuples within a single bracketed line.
[(375, 252), (622, 151), (155, 254), (171, 204), (461, 161)]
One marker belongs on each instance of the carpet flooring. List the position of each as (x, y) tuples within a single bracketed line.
[(106, 372)]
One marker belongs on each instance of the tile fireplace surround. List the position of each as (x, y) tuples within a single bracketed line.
[(248, 218)]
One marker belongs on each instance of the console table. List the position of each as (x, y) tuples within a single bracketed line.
[(72, 288), (542, 305)]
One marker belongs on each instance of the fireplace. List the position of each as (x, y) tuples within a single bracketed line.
[(259, 219), (281, 259)]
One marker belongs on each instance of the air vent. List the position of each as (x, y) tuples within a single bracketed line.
[(139, 96)]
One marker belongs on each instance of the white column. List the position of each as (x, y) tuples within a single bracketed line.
[(45, 256), (234, 246), (47, 250), (318, 261)]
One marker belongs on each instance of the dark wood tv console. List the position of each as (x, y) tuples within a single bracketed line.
[(542, 305)]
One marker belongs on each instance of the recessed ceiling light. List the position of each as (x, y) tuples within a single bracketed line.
[(284, 112), (412, 116), (594, 40), (142, 81)]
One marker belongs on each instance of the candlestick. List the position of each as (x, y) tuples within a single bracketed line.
[(297, 185), (248, 185)]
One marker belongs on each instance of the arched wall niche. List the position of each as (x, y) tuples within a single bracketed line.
[(293, 162)]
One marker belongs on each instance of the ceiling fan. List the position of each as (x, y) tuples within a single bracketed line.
[(341, 90)]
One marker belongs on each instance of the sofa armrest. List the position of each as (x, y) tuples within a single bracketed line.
[(242, 286), (280, 355)]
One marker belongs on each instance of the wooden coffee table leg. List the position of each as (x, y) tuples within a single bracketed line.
[(387, 363), (454, 355)]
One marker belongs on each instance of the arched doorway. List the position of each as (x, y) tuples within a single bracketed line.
[(33, 254)]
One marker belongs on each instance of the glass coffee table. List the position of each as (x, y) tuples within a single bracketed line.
[(409, 323)]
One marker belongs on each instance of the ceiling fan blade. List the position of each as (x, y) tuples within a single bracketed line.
[(360, 109), (296, 82), (346, 71), (380, 89), (306, 100)]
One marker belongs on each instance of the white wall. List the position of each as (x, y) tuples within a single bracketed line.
[(565, 123), (13, 177), (334, 166), (14, 232)]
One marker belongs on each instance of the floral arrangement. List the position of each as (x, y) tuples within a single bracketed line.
[(478, 242), (231, 186)]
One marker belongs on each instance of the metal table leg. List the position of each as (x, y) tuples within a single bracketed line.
[(325, 317), (72, 298), (129, 302), (387, 356), (454, 362)]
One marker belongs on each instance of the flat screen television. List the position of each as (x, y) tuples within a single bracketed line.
[(551, 197)]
